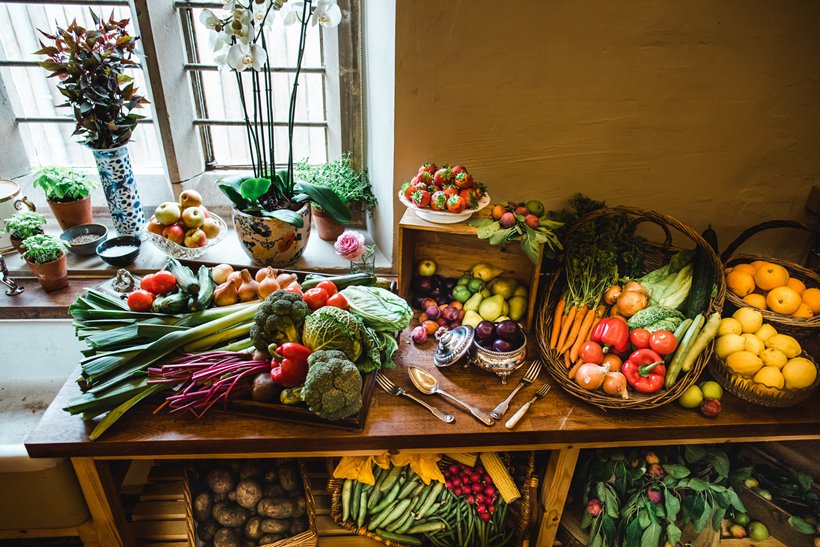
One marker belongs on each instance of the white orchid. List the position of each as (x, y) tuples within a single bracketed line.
[(292, 12), (261, 13), (241, 57), (240, 27), (228, 4), (327, 14), (210, 20)]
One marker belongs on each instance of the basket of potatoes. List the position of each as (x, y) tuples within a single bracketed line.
[(758, 364)]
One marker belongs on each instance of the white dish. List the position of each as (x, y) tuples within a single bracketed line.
[(444, 217)]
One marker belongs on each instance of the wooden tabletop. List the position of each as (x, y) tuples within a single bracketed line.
[(397, 423)]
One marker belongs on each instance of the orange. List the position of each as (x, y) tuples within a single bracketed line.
[(748, 268), (756, 300), (770, 276), (804, 311), (811, 297), (796, 284), (783, 300), (758, 263), (740, 283)]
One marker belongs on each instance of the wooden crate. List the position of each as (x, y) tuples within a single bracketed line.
[(455, 248)]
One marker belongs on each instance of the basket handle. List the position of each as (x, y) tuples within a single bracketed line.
[(749, 232), (667, 242)]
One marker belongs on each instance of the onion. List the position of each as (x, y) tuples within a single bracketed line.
[(268, 284), (285, 279), (227, 293), (634, 286), (249, 289), (591, 376), (267, 271), (615, 384), (613, 361), (220, 272), (611, 295), (631, 302)]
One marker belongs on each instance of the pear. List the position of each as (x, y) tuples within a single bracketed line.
[(518, 307), (485, 293), (473, 302), (471, 318), (521, 290), (491, 308), (505, 286), (485, 272), (505, 308), (501, 318)]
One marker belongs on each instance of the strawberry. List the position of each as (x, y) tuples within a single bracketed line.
[(438, 201), (470, 197), (456, 204), (450, 190), (421, 198), (459, 169), (408, 189), (464, 180), (428, 167), (443, 176), (424, 178)]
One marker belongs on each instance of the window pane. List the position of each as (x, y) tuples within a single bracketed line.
[(308, 142)]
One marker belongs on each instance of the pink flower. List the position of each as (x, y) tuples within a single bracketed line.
[(350, 245)]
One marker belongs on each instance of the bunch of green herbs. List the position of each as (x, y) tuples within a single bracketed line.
[(62, 184), (42, 248), (351, 185), (24, 224)]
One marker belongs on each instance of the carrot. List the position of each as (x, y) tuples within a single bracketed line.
[(556, 321), (586, 325), (576, 326), (566, 361), (570, 317), (574, 370)]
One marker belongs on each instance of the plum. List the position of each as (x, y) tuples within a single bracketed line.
[(432, 312), (502, 346), (507, 330), (485, 330)]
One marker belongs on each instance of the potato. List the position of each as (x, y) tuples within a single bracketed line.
[(271, 538), (221, 481), (275, 526), (276, 508), (289, 478), (297, 526), (273, 490), (248, 494), (226, 537), (229, 515), (251, 469), (247, 543), (301, 506), (253, 527), (219, 497), (271, 474), (206, 530), (203, 504)]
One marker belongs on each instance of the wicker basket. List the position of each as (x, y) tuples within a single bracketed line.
[(656, 255), (523, 511), (795, 326), (186, 253), (308, 538)]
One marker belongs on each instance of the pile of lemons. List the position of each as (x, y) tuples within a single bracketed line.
[(769, 287), (755, 350)]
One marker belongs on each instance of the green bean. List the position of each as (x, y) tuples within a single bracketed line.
[(419, 489), (430, 510), (398, 523), (346, 489), (406, 524), (407, 540), (433, 526), (399, 510), (434, 493), (391, 479), (375, 495), (392, 495), (362, 508), (355, 497), (408, 487), (379, 517)]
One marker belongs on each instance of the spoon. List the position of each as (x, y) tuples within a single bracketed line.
[(427, 383)]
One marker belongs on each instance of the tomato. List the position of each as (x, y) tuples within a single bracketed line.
[(295, 287), (164, 282), (328, 286), (591, 352), (339, 301), (147, 283), (663, 342), (613, 361), (639, 338), (315, 298), (140, 300)]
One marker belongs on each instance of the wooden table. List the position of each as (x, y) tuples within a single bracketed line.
[(558, 423)]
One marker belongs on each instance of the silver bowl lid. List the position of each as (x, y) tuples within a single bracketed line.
[(453, 345)]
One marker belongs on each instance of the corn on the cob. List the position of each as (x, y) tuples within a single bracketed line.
[(467, 458), (501, 477)]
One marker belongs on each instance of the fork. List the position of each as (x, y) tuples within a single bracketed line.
[(526, 406), (529, 377), (386, 384)]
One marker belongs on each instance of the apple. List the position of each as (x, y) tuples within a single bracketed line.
[(195, 238), (154, 226), (174, 232), (210, 227), (190, 198), (426, 267), (521, 210), (532, 220), (193, 217), (168, 213), (205, 211)]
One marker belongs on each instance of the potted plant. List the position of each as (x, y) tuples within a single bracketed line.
[(352, 186), (68, 194), (46, 258), (271, 209), (22, 225), (91, 66)]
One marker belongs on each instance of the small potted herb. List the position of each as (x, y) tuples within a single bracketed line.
[(352, 186), (46, 258), (68, 194), (22, 225)]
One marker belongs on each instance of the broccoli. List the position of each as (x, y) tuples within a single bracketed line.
[(333, 387), (279, 319)]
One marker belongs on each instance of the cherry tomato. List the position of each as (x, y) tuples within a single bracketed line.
[(315, 298), (140, 300), (164, 282), (295, 287), (339, 301), (663, 342), (147, 283), (591, 352), (640, 338), (613, 361), (328, 286)]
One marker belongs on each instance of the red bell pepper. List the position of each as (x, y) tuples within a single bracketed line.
[(289, 365), (644, 371), (612, 332)]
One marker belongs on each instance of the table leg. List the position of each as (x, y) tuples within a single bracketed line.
[(103, 503), (557, 479)]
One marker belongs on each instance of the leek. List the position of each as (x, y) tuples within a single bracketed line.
[(221, 337)]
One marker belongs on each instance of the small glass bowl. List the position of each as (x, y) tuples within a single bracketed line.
[(182, 252)]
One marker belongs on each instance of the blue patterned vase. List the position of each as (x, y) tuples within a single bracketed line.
[(120, 188)]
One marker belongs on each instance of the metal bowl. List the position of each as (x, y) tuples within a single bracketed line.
[(84, 229), (501, 363)]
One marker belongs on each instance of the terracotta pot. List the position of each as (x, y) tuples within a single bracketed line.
[(71, 213), (51, 275), (270, 241), (17, 242), (327, 228)]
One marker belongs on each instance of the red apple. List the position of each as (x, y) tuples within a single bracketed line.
[(521, 210), (167, 213), (195, 238), (210, 227), (193, 217), (175, 233), (190, 198), (205, 212), (154, 226)]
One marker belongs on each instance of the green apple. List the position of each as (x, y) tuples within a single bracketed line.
[(758, 531), (711, 390), (535, 207), (461, 293), (476, 284), (426, 267)]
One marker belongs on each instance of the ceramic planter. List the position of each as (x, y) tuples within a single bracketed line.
[(51, 275), (120, 189), (270, 241), (71, 213), (17, 242), (327, 228)]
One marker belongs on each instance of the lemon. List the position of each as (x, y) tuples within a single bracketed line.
[(744, 362), (786, 344), (770, 377), (750, 320), (799, 373), (691, 398), (773, 357), (729, 344), (729, 325), (765, 332), (753, 343)]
